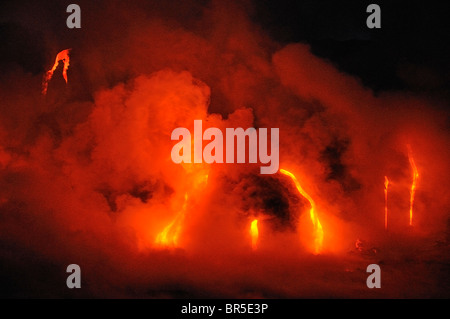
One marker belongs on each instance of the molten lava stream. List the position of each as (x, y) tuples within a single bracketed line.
[(61, 56), (318, 230), (171, 233), (254, 233), (386, 184), (414, 183)]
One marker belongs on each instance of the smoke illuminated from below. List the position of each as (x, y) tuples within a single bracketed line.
[(87, 175)]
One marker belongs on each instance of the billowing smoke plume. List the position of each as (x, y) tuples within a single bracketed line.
[(87, 177)]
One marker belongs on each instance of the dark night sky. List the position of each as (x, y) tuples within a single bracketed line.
[(409, 52), (414, 34)]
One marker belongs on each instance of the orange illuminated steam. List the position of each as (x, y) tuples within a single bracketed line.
[(171, 233), (386, 185), (414, 183), (254, 233), (61, 56), (318, 230)]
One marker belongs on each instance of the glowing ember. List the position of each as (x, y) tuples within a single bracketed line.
[(254, 233), (414, 183), (318, 230), (171, 233), (61, 56), (386, 184)]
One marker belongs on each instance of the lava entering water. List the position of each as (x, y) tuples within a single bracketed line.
[(171, 233), (414, 183), (254, 233), (318, 230), (61, 56)]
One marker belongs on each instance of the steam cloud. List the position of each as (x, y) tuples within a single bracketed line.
[(87, 178)]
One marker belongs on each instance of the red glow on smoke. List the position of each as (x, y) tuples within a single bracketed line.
[(88, 178)]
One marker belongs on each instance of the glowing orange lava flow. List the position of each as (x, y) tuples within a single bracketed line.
[(414, 183), (171, 233), (386, 184), (61, 56), (254, 233), (318, 230)]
